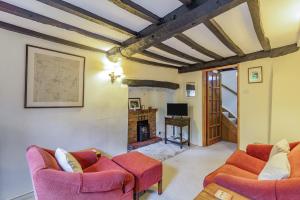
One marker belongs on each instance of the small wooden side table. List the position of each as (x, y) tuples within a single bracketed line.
[(209, 191), (178, 122)]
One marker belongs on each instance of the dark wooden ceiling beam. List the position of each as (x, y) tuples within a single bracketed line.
[(201, 11), (217, 30), (147, 62), (11, 9), (162, 58), (281, 51), (24, 31), (186, 2), (188, 41), (175, 52), (137, 10), (87, 15), (254, 9)]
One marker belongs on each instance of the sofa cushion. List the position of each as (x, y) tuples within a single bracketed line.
[(294, 159), (281, 146), (67, 162), (105, 164), (288, 189), (228, 169), (277, 168), (244, 161)]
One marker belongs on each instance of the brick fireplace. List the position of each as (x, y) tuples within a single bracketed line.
[(141, 127)]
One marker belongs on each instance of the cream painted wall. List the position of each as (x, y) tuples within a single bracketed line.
[(70, 128), (270, 111), (195, 104), (286, 99)]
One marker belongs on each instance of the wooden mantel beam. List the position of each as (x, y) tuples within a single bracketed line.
[(217, 30), (11, 9), (190, 17), (254, 9), (281, 51), (87, 15), (150, 83), (137, 10)]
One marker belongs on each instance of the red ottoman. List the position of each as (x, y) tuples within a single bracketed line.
[(147, 171)]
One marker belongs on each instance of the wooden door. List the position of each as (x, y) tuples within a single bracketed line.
[(214, 107)]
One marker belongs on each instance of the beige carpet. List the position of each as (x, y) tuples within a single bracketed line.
[(183, 174)]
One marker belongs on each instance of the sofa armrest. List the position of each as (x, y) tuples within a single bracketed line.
[(85, 158), (260, 151), (251, 188), (103, 181), (244, 161)]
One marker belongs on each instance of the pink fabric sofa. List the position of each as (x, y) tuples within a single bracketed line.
[(102, 178), (241, 170)]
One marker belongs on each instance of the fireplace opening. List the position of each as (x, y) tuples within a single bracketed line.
[(143, 131)]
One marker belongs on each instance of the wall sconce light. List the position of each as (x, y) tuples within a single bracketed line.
[(113, 77)]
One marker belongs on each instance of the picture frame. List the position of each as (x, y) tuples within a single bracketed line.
[(255, 75), (190, 89), (53, 79), (134, 103)]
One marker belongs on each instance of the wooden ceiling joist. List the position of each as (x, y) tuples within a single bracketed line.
[(137, 10), (11, 9), (196, 15), (217, 30), (162, 58), (186, 2), (147, 62), (281, 51), (35, 34), (175, 52), (188, 41), (70, 8), (254, 9)]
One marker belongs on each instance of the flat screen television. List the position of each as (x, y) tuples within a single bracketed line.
[(177, 109)]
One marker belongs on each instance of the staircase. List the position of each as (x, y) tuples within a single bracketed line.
[(229, 126)]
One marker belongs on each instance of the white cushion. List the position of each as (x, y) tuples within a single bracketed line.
[(277, 167), (281, 146), (67, 162)]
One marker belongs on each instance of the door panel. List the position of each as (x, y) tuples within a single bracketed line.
[(213, 107)]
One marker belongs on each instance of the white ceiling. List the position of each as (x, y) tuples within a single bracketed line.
[(152, 59), (164, 8), (204, 37), (110, 11), (237, 24), (280, 20)]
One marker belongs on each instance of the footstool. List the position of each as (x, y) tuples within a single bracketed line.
[(147, 171)]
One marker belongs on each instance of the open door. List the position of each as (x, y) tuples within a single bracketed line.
[(213, 107)]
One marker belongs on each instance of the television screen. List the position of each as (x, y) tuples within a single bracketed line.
[(177, 109)]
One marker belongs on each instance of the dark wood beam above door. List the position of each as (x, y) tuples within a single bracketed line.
[(11, 9), (201, 11), (281, 51), (188, 41), (217, 30), (137, 10), (70, 8), (254, 9)]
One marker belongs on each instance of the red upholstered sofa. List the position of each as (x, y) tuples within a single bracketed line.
[(241, 170), (102, 178)]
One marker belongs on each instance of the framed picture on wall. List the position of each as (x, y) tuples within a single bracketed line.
[(190, 89), (255, 75), (134, 103), (53, 79)]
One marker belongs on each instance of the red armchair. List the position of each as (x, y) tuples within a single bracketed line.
[(241, 170), (102, 178)]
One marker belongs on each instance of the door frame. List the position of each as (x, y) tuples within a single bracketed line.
[(204, 102)]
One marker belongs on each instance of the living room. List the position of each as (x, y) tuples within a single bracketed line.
[(118, 61)]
